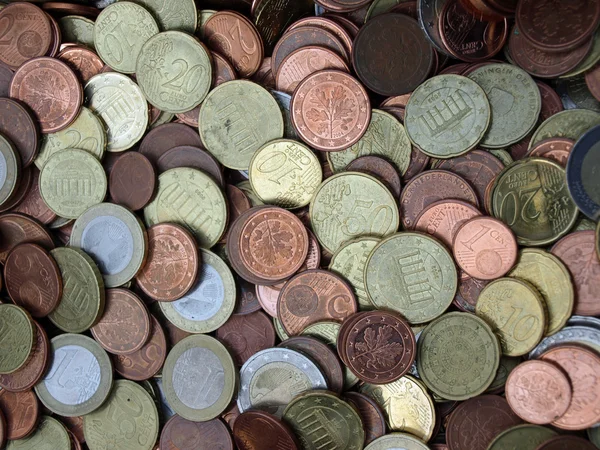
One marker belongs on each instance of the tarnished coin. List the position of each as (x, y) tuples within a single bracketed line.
[(181, 434), (180, 15), (556, 149), (199, 378), (10, 168), (392, 282), (584, 160), (397, 440), (442, 219), (271, 378), (77, 30), (120, 31), (256, 429), (285, 173), (49, 435), (86, 365), (245, 335), (370, 413), (350, 205), (458, 356), (160, 140), (19, 337), (174, 71), (209, 303), (447, 116), (567, 442), (19, 126), (380, 168), (21, 411), (121, 105), (570, 124), (524, 437), (189, 156), (17, 229), (115, 239), (83, 61), (130, 404), (132, 181)]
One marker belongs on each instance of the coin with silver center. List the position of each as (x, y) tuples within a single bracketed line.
[(584, 321), (270, 379), (589, 337)]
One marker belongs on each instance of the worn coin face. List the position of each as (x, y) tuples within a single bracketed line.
[(180, 15), (397, 440), (442, 219), (174, 71), (130, 404), (391, 281), (79, 378), (132, 181), (199, 378), (525, 437), (247, 334), (49, 435), (181, 434), (556, 149), (19, 337), (562, 442), (254, 429), (77, 30), (83, 61), (570, 124), (272, 378), (458, 356), (370, 413), (583, 162), (21, 411), (19, 126)]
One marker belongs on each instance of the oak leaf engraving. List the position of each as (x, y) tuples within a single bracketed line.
[(273, 242), (378, 349), (46, 93), (331, 110)]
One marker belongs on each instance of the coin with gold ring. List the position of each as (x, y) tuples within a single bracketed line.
[(18, 335), (394, 441), (50, 434)]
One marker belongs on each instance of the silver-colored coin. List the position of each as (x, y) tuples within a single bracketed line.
[(584, 321), (284, 100), (590, 337), (397, 441), (271, 378)]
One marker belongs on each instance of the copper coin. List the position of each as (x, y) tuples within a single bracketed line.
[(6, 75), (380, 348), (33, 205), (172, 263), (174, 335), (474, 66), (556, 149), (256, 430), (592, 80), (476, 422), (56, 37), (351, 28), (485, 248), (191, 156), (33, 279), (408, 8), (430, 187), (231, 415), (329, 25), (264, 75), (268, 296), (247, 300), (567, 443), (236, 38), (21, 412), (238, 202), (125, 325), (391, 54), (370, 412), (165, 137), (538, 392), (314, 296), (313, 257), (18, 125), (455, 69), (26, 33), (75, 444), (51, 89), (22, 190), (132, 181), (396, 111), (398, 101), (70, 8), (34, 369), (147, 361), (467, 37), (304, 62), (443, 219), (330, 93), (468, 293), (17, 229), (83, 61), (418, 163), (246, 335), (576, 251), (181, 434), (343, 5), (582, 366), (381, 169), (325, 358), (75, 426)]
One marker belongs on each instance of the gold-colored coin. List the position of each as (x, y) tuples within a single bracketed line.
[(10, 167), (285, 173), (50, 434), (246, 187), (77, 30), (192, 199), (203, 16), (393, 441), (570, 124), (515, 311), (180, 15), (553, 281), (18, 336)]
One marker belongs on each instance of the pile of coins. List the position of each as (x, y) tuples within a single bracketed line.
[(300, 225)]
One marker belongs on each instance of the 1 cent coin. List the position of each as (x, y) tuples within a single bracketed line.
[(181, 434), (443, 219), (17, 229), (132, 181), (21, 411), (245, 335), (254, 430)]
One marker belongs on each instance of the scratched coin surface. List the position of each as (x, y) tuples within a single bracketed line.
[(21, 411), (413, 274), (49, 435), (245, 335), (80, 360), (180, 15), (447, 116), (19, 337)]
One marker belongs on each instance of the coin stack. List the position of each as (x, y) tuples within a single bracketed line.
[(300, 225)]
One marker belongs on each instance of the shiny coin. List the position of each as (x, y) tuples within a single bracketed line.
[(49, 435), (115, 239), (443, 219), (19, 336), (524, 437), (10, 168), (571, 335), (86, 365), (584, 160), (255, 429), (179, 15), (397, 440), (21, 411)]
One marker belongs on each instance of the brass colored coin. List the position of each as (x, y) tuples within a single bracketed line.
[(199, 378), (86, 133), (180, 15), (598, 240), (458, 356), (349, 262), (49, 435), (129, 417), (385, 137), (18, 337), (407, 405), (339, 422), (71, 182), (350, 205), (79, 378), (531, 196), (570, 124), (10, 168), (285, 173), (192, 199), (515, 101), (115, 239), (236, 119), (203, 16), (77, 30), (411, 273), (121, 105), (174, 71), (552, 279), (447, 116), (523, 437), (120, 31), (395, 441), (502, 155), (507, 365), (515, 310), (209, 303)]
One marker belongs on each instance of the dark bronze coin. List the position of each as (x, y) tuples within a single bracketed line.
[(379, 168), (18, 125), (567, 443), (257, 430), (370, 412), (391, 55), (132, 181), (181, 434), (6, 75), (231, 415), (247, 302), (70, 9), (21, 411), (194, 157), (408, 8), (246, 335), (56, 37), (238, 202), (468, 293), (165, 137), (33, 205), (17, 229), (328, 25), (22, 190), (75, 426), (348, 25), (455, 69)]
